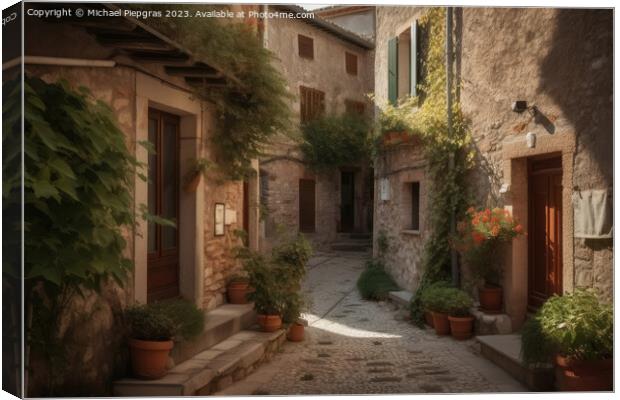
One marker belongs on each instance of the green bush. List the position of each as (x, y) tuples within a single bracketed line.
[(146, 323), (375, 283), (575, 325), (334, 141), (436, 299), (425, 292), (188, 319), (458, 302)]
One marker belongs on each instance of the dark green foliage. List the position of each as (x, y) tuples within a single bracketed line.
[(335, 141), (188, 320), (428, 292), (255, 104), (148, 323), (276, 278), (458, 301), (375, 283), (575, 325)]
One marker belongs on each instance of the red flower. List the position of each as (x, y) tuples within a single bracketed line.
[(518, 228)]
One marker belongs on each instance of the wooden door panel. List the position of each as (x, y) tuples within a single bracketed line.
[(545, 231), (307, 205)]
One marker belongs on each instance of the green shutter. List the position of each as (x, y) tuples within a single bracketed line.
[(413, 62), (393, 70)]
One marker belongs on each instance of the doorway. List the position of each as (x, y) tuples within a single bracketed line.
[(163, 201), (545, 230), (347, 201), (307, 205)]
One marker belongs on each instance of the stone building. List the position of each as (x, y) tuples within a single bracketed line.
[(550, 164), (329, 71), (357, 19), (146, 79)]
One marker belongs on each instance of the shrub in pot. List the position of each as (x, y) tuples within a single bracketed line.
[(291, 316), (575, 332), (481, 235), (428, 316), (153, 329), (150, 342), (237, 289), (437, 303), (461, 322)]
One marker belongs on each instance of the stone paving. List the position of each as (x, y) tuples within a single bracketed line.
[(354, 346)]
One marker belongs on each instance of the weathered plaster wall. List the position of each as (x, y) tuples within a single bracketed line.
[(561, 61), (401, 165), (283, 164)]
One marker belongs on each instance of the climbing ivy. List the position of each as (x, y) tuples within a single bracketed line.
[(425, 117)]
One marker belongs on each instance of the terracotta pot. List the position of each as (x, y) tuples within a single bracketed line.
[(237, 292), (269, 323), (441, 323), (295, 332), (428, 318), (490, 299), (193, 184), (583, 376), (462, 328), (148, 358)]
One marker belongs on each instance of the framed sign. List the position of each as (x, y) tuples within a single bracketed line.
[(219, 219)]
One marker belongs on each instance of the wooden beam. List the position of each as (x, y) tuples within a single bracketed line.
[(193, 71)]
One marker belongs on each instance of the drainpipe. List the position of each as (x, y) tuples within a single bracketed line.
[(454, 267)]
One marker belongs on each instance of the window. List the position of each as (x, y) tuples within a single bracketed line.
[(354, 107), (311, 104), (350, 63), (403, 63), (306, 47), (415, 206)]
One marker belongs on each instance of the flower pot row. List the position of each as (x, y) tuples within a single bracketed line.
[(461, 328)]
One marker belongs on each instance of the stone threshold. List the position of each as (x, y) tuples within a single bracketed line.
[(505, 352), (211, 370)]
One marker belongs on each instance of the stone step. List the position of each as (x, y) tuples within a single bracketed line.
[(355, 236), (505, 352), (401, 297), (352, 245), (491, 324), (220, 324), (211, 370)]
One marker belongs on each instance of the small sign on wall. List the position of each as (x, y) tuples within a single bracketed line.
[(384, 189), (219, 219), (230, 217)]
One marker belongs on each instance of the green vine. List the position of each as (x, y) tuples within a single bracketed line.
[(335, 141), (447, 191), (254, 106)]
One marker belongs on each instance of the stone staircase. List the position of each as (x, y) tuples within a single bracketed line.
[(355, 242), (505, 352), (230, 348)]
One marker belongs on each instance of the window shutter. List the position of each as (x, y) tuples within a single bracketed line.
[(351, 63), (306, 46), (393, 70), (413, 63)]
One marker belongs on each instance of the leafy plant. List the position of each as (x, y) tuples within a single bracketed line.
[(575, 325), (188, 320), (435, 299), (459, 302), (148, 323), (254, 104), (336, 140), (426, 293), (375, 283)]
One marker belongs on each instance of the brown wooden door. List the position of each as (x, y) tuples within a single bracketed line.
[(347, 201), (545, 230), (163, 201), (306, 205)]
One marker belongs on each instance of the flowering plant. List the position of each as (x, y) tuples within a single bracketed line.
[(480, 234)]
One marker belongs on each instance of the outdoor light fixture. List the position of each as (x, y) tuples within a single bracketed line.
[(519, 106)]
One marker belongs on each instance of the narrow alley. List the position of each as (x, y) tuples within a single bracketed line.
[(354, 346)]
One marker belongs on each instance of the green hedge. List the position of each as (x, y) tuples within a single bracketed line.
[(375, 283)]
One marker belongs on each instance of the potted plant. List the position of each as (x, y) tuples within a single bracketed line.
[(575, 332), (153, 329), (424, 302), (437, 303), (198, 169), (150, 342), (395, 122), (481, 235), (461, 322), (237, 289), (291, 316)]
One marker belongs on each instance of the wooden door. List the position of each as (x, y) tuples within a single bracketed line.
[(246, 212), (307, 205), (163, 201), (347, 201), (545, 230)]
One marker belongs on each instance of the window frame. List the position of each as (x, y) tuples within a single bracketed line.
[(305, 46)]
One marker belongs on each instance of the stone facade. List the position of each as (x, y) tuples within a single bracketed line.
[(282, 166), (559, 60), (93, 327)]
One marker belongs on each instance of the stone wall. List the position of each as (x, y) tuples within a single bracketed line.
[(283, 166), (559, 60)]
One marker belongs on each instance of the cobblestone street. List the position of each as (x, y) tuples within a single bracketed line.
[(353, 346)]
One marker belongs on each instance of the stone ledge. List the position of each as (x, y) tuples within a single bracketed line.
[(491, 324), (401, 297), (211, 370)]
